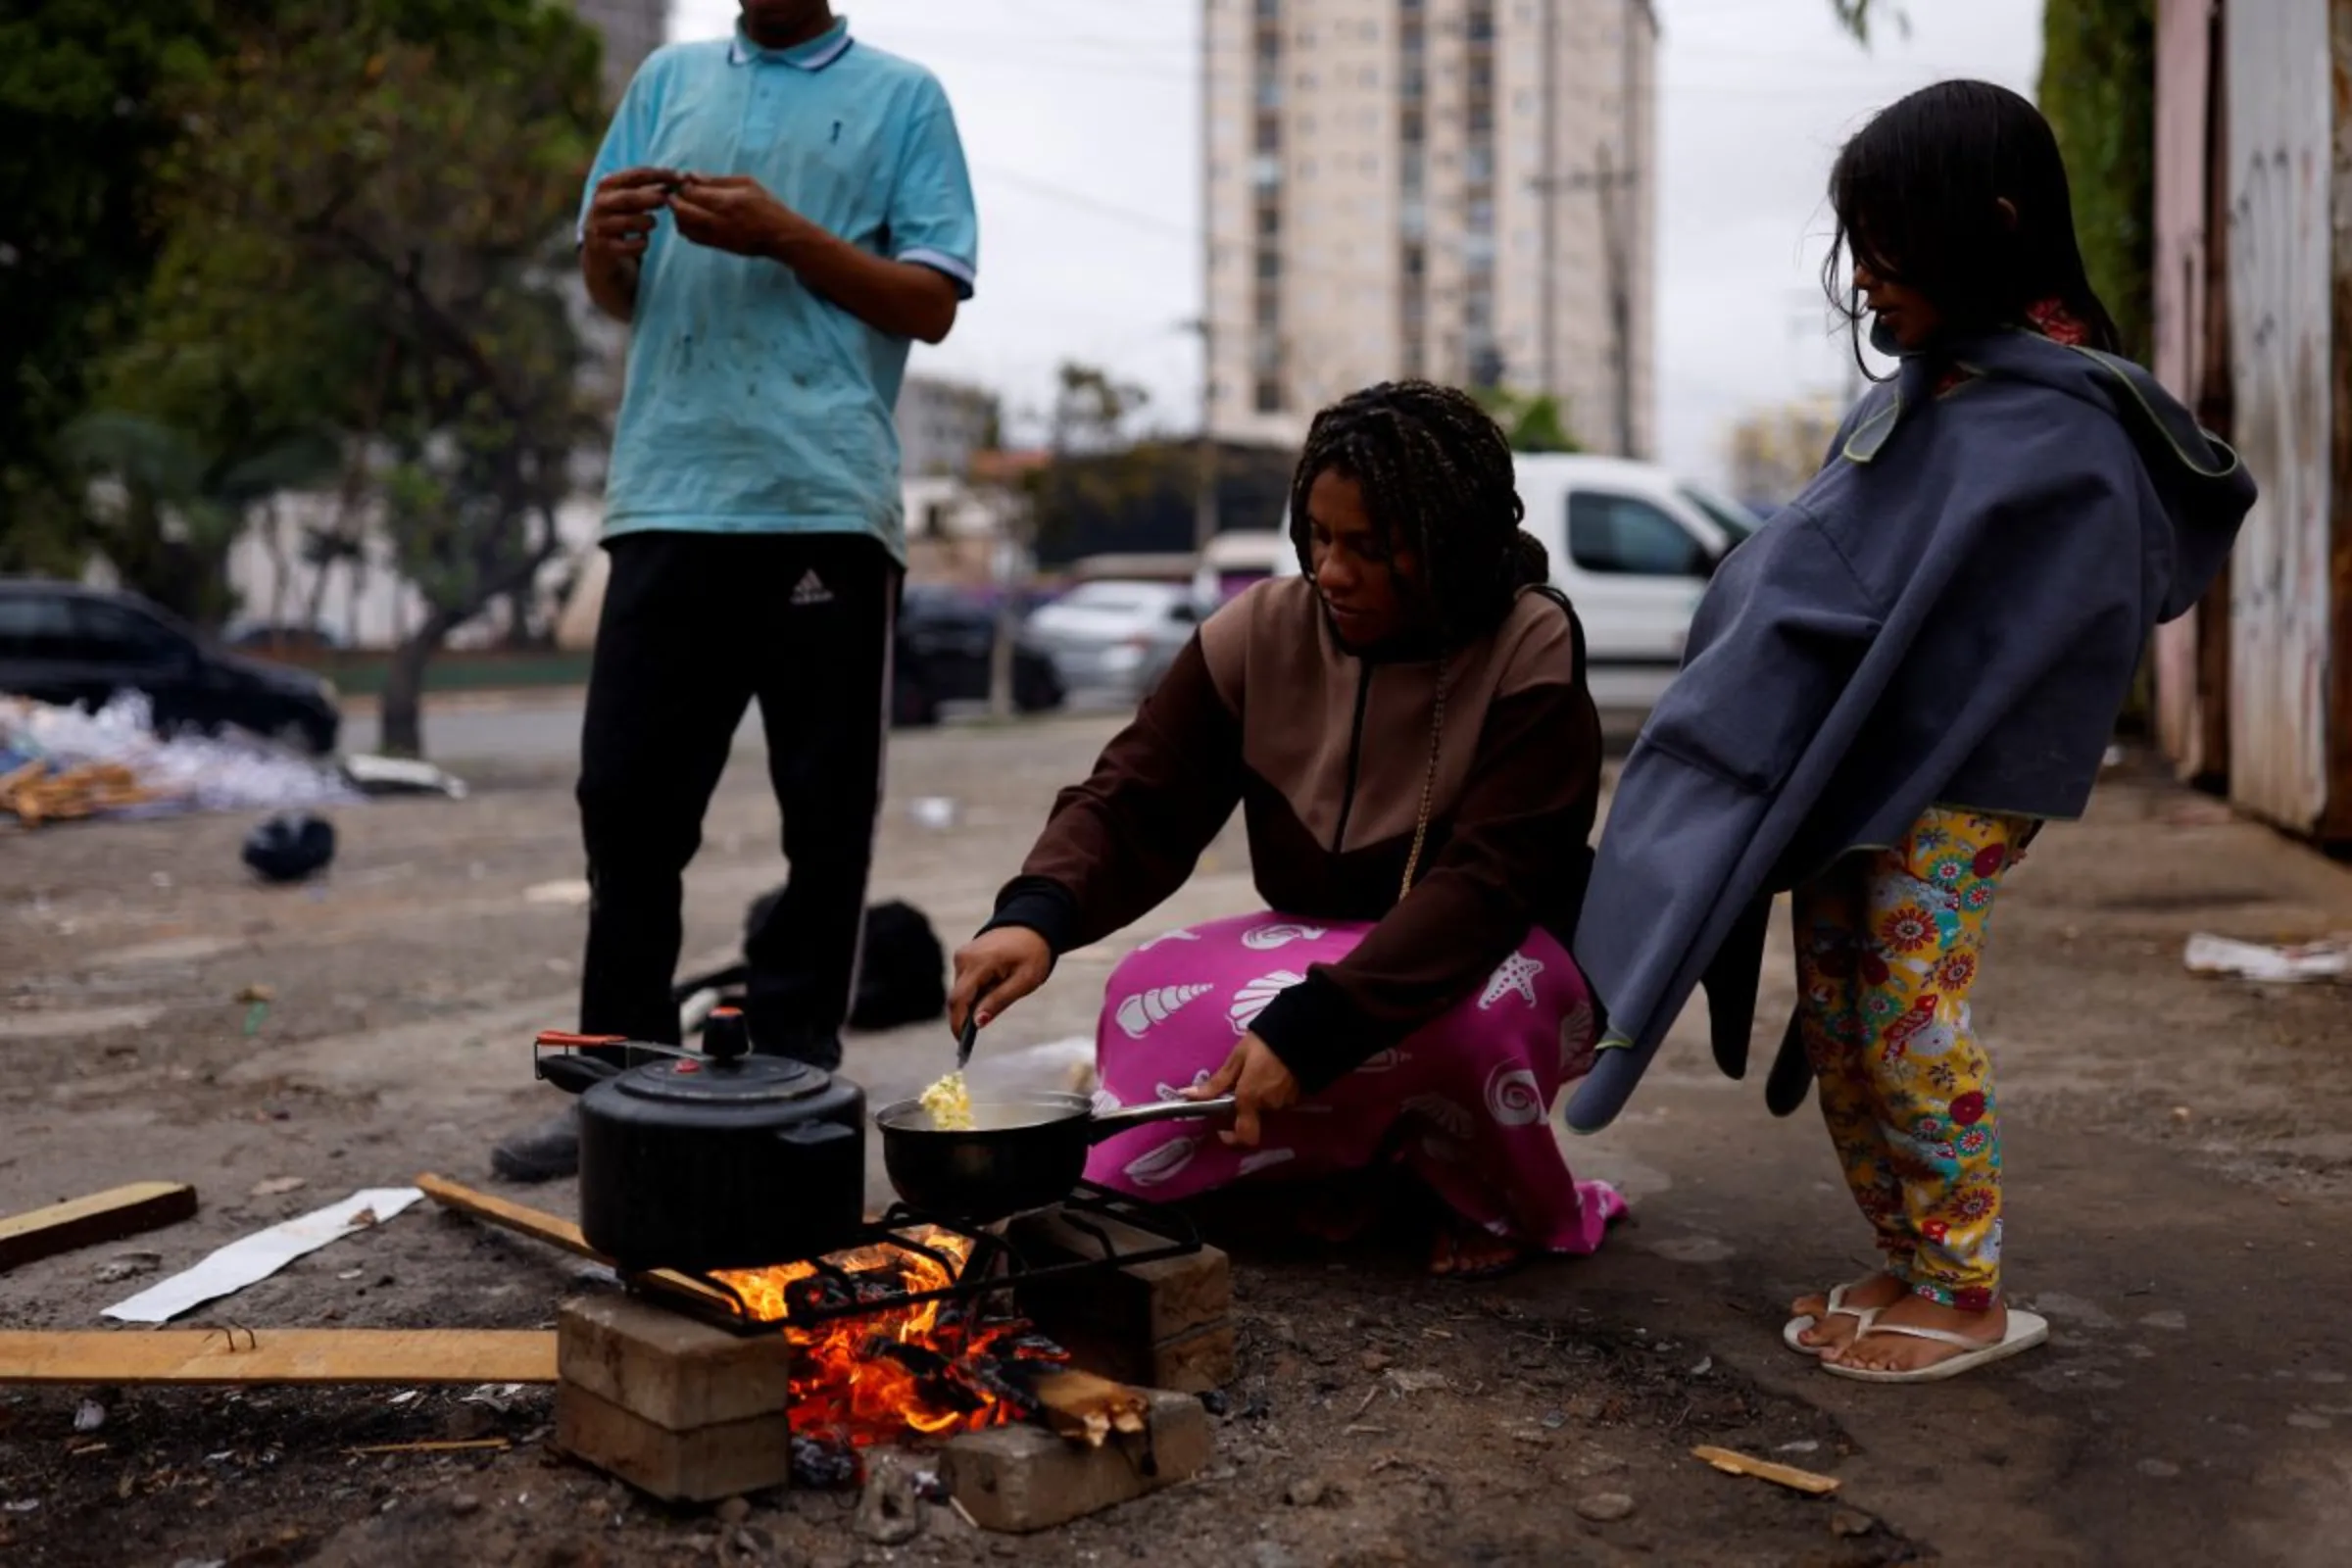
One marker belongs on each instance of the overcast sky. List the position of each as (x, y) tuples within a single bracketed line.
[(1081, 119)]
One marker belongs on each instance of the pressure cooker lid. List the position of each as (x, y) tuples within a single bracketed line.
[(745, 1081)]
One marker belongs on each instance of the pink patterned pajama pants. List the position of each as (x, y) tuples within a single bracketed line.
[(1463, 1104)]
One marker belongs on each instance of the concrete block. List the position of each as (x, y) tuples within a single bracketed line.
[(1190, 1363), (705, 1464), (1143, 1303), (674, 1371), (1020, 1479)]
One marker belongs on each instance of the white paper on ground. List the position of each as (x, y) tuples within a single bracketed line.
[(255, 1257), (2330, 960)]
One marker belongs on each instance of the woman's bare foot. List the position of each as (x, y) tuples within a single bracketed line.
[(1462, 1250), (1831, 1334), (1901, 1353)]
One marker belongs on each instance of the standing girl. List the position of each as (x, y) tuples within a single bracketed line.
[(1888, 690)]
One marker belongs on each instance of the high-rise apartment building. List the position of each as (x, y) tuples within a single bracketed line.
[(632, 30), (1458, 189)]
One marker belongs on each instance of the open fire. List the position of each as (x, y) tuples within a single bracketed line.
[(930, 1370)]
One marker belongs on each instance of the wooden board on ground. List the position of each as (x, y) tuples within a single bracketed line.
[(403, 1356), (554, 1231), (107, 1216)]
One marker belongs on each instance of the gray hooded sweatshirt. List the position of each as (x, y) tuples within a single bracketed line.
[(1951, 614)]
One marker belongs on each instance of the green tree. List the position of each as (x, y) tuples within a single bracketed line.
[(1857, 15), (2098, 88), (1535, 421), (370, 217), (84, 123)]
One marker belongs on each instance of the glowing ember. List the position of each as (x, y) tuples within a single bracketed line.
[(931, 1370)]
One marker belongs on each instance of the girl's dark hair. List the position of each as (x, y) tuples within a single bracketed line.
[(1918, 191), (1436, 478)]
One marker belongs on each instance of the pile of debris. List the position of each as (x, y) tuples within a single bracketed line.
[(64, 761)]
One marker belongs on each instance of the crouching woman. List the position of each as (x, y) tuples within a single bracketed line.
[(1409, 733)]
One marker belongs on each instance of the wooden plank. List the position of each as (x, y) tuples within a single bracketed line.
[(541, 1226), (403, 1356), (107, 1216)]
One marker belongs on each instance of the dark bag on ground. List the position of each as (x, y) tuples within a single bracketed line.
[(901, 973)]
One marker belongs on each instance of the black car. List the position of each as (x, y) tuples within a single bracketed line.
[(944, 643), (62, 643)]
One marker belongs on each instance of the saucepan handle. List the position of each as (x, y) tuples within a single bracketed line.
[(1105, 1123)]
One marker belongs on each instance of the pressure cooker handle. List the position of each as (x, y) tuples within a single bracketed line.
[(573, 1074), (1105, 1123)]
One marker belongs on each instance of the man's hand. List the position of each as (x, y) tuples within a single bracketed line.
[(995, 969), (735, 213), (615, 233), (620, 215), (1258, 1081)]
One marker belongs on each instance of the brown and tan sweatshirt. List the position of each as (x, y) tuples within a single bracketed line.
[(1327, 754)]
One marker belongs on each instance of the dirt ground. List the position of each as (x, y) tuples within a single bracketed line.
[(2180, 1164)]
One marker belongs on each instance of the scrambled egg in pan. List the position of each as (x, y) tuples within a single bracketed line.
[(950, 1103)]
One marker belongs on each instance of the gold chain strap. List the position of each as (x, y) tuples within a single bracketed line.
[(1428, 786)]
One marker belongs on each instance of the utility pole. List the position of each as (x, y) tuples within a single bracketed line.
[(1204, 498), (1205, 520), (1550, 185)]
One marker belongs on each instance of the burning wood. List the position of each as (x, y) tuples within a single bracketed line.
[(1086, 1408), (930, 1370)]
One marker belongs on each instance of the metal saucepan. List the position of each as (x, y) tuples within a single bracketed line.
[(1022, 1152)]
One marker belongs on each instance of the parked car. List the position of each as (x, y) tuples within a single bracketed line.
[(945, 646), (1632, 547), (285, 641), (1116, 636), (64, 643)]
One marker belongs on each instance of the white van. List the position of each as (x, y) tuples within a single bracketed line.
[(1632, 547), (1234, 559)]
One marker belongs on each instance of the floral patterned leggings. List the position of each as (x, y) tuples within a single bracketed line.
[(1888, 947)]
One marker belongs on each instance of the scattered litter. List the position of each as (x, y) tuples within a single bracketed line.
[(351, 1274), (1800, 1446), (403, 1397), (278, 1186), (497, 1396), (232, 772), (1554, 1420), (256, 1257), (397, 775), (290, 846), (569, 894), (1415, 1382), (2114, 757), (1706, 1364), (128, 1265), (2330, 959), (886, 1511), (88, 1416), (1733, 1463), (1606, 1507), (454, 1446), (934, 812), (20, 1506)]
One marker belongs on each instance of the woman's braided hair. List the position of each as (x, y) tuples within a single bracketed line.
[(1436, 478)]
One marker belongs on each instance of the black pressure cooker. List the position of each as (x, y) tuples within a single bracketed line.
[(712, 1159)]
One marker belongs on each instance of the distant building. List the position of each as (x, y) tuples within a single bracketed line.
[(632, 30), (941, 424), (1460, 189)]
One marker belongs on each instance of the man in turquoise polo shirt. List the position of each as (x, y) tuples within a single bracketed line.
[(777, 215)]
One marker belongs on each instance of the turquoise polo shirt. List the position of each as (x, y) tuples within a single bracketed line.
[(752, 405)]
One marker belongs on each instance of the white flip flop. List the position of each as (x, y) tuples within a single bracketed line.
[(2026, 1331), (1795, 1326)]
